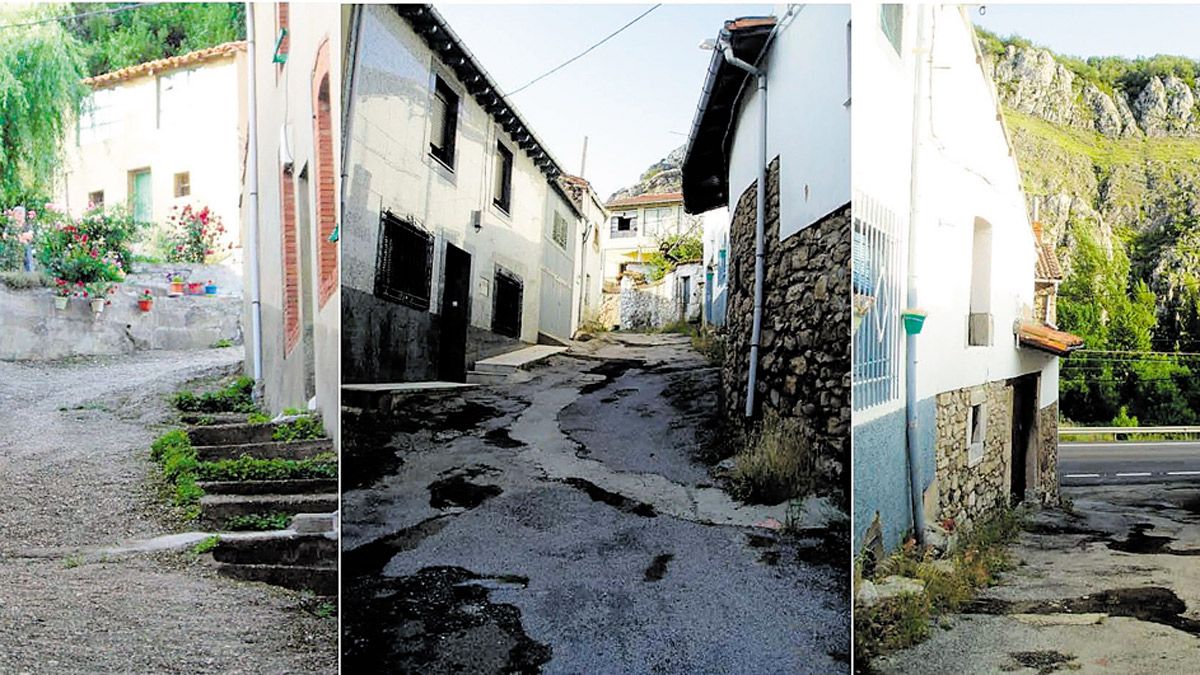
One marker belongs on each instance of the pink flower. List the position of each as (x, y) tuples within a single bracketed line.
[(25, 237)]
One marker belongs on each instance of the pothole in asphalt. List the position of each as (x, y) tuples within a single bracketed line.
[(500, 438), (658, 567), (458, 491), (1045, 661), (609, 369), (619, 502), (1154, 604), (1191, 504), (618, 395), (370, 558), (1139, 542), (1054, 529), (439, 620)]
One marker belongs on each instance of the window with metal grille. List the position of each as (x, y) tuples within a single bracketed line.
[(559, 233), (891, 22), (403, 262), (502, 193), (445, 123), (877, 285)]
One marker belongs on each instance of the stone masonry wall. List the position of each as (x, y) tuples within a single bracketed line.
[(1047, 453), (968, 492), (804, 357)]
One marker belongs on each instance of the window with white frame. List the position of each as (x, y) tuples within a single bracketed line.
[(976, 433), (624, 225), (877, 286), (661, 220), (99, 117)]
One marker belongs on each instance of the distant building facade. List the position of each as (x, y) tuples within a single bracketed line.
[(636, 226), (162, 134), (466, 242)]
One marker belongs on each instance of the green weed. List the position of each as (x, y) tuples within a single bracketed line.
[(258, 522)]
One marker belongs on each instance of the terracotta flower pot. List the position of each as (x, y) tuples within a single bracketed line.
[(60, 301), (176, 288), (145, 305)]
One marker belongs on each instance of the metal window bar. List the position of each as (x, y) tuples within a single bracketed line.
[(878, 285)]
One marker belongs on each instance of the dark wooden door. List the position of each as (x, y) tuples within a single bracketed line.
[(506, 312), (456, 298), (1024, 410)]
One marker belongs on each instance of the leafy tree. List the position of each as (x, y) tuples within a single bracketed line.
[(120, 39), (40, 72)]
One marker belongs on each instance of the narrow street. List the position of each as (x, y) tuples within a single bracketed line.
[(1112, 585), (76, 479), (567, 522)]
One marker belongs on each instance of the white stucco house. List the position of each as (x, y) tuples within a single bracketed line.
[(716, 264), (162, 134), (589, 274), (464, 242), (636, 225), (941, 231)]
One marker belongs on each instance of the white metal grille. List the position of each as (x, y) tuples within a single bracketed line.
[(878, 287)]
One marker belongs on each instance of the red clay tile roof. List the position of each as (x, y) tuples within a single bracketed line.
[(642, 200), (1047, 267), (169, 63), (1038, 335)]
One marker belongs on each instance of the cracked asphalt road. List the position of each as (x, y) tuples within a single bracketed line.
[(1112, 586), (564, 525)]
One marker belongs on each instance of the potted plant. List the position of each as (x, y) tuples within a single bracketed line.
[(97, 293), (176, 284), (145, 300), (195, 288), (210, 288), (62, 293)]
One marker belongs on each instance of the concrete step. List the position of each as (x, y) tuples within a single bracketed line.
[(387, 396), (515, 360), (305, 550), (266, 450), (320, 580), (205, 419), (294, 486), (218, 509), (231, 434), (484, 377), (314, 523)]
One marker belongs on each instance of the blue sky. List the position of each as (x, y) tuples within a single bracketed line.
[(1100, 30), (634, 96)]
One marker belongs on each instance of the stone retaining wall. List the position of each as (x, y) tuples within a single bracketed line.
[(969, 492), (804, 358), (1047, 453)]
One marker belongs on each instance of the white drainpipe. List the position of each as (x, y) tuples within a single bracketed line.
[(912, 421), (759, 223), (252, 184)]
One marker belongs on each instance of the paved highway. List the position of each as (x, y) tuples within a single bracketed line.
[(1110, 463)]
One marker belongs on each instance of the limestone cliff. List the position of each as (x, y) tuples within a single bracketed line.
[(661, 177)]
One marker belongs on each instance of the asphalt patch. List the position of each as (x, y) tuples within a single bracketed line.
[(658, 568), (1045, 661), (1153, 604), (370, 558), (619, 502), (1139, 542), (500, 438), (610, 369), (458, 491), (438, 621)]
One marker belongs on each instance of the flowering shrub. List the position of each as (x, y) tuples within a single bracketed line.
[(17, 227), (192, 234), (91, 252), (99, 290)]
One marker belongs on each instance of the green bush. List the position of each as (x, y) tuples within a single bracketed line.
[(778, 463), (250, 468), (255, 521), (174, 452), (302, 428), (236, 398)]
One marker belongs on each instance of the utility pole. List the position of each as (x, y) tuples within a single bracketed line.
[(583, 160)]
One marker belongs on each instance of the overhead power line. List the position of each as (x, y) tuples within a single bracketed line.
[(580, 55), (82, 15)]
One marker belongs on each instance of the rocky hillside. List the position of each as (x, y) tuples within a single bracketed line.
[(1110, 150), (661, 176)]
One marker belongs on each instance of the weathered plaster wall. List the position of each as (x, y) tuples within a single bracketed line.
[(804, 358), (32, 329), (881, 486)]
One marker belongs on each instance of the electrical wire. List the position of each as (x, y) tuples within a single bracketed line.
[(581, 54), (99, 12)]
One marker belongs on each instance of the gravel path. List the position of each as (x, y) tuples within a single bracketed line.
[(75, 473)]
